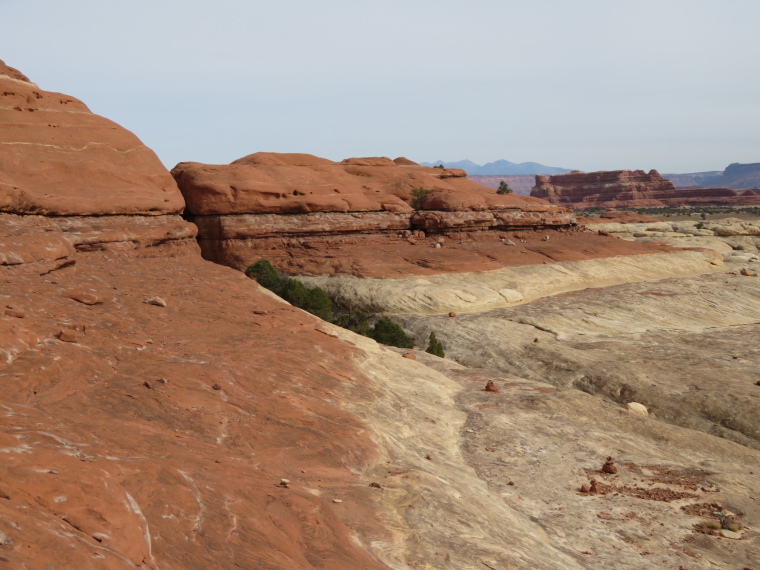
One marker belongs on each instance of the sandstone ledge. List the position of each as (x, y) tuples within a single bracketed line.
[(42, 243), (440, 294)]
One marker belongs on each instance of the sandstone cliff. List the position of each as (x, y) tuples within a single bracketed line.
[(242, 207), (629, 189)]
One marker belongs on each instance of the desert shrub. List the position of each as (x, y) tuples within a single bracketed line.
[(319, 304), (387, 332), (419, 195), (265, 274), (354, 320), (503, 188), (311, 299), (434, 346)]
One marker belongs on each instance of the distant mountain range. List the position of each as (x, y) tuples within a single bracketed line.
[(500, 167), (736, 176)]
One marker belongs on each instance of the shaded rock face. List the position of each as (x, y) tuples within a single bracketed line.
[(629, 189), (50, 140), (238, 207)]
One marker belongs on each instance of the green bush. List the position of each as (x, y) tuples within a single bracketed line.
[(504, 188), (355, 321), (319, 304), (419, 195), (266, 275), (435, 347), (387, 332), (314, 300)]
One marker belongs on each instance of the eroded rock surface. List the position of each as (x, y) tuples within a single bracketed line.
[(684, 348)]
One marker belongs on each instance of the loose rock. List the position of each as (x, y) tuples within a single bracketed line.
[(491, 387), (157, 301), (67, 336), (637, 408)]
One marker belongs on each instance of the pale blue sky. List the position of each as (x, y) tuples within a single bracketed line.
[(588, 84)]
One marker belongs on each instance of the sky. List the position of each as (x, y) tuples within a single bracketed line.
[(588, 84)]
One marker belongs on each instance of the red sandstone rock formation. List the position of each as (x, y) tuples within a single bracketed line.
[(96, 167), (273, 183), (118, 450), (628, 189), (268, 195)]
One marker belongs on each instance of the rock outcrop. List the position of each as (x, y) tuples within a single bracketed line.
[(73, 181), (50, 140), (237, 207), (128, 439), (629, 189)]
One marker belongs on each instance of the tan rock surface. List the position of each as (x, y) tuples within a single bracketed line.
[(484, 290), (684, 347), (56, 157)]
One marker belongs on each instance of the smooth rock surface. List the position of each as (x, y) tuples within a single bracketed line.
[(58, 158)]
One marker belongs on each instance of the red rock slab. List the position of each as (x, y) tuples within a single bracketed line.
[(117, 451), (58, 158)]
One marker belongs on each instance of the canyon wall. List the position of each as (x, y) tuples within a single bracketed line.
[(631, 189)]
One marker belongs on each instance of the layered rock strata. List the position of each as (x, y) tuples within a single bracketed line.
[(73, 181), (294, 195), (630, 189)]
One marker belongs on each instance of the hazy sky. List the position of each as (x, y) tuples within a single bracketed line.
[(587, 84)]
